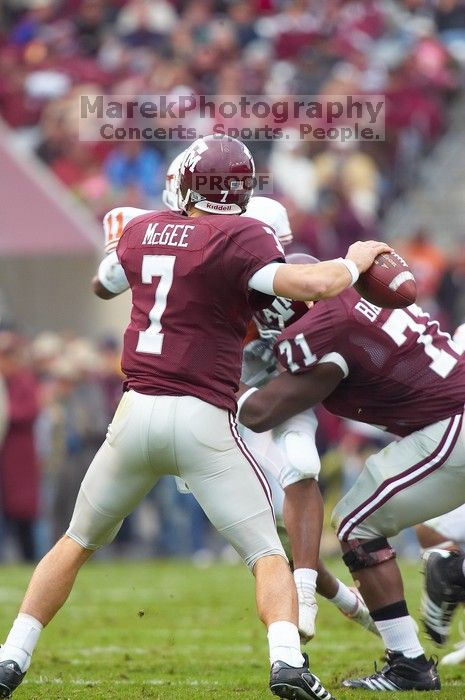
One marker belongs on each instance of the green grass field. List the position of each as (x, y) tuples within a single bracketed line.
[(165, 631)]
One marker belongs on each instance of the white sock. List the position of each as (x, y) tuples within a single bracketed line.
[(345, 599), (400, 634), (21, 641), (305, 582), (284, 643)]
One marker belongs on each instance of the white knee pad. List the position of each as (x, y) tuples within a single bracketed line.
[(296, 442), (301, 458)]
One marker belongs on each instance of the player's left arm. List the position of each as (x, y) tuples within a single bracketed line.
[(286, 396)]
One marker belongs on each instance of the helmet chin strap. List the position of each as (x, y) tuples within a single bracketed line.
[(184, 201)]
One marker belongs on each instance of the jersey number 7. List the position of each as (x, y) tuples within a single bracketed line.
[(162, 266)]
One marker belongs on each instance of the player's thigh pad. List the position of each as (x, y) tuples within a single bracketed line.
[(138, 449), (288, 453), (225, 479), (409, 481)]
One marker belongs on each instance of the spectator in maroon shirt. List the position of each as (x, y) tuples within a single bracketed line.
[(19, 465)]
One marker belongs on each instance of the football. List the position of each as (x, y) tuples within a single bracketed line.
[(388, 283)]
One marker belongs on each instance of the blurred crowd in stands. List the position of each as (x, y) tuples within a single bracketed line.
[(57, 396), (59, 392), (413, 51)]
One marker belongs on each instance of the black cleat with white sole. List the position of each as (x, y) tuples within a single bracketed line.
[(440, 597), (400, 673), (296, 683), (10, 677)]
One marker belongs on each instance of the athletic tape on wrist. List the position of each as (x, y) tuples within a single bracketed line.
[(351, 267)]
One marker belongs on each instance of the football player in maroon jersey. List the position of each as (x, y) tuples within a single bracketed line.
[(292, 453), (196, 278), (288, 455), (395, 369)]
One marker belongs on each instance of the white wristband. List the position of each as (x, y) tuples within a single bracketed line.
[(352, 268), (241, 401)]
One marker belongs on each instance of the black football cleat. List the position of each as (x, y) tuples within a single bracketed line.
[(296, 683), (10, 677), (440, 598), (400, 673)]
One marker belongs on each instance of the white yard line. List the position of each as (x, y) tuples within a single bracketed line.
[(44, 680), (139, 651)]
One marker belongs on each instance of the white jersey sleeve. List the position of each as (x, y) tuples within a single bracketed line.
[(114, 222)]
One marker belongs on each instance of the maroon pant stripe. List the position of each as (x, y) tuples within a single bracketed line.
[(255, 466)]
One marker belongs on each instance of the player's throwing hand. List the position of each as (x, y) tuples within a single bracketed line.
[(363, 253)]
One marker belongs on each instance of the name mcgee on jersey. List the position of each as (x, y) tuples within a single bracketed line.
[(175, 235)]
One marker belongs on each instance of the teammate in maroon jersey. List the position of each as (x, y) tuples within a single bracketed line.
[(196, 281), (397, 370), (288, 455)]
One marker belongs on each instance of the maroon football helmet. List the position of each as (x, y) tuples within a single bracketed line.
[(217, 175), (272, 320)]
